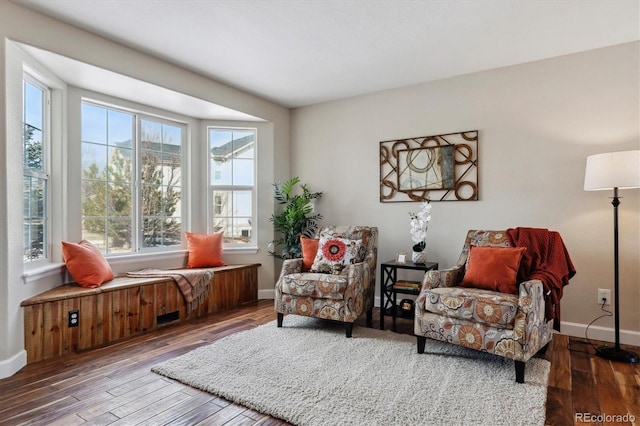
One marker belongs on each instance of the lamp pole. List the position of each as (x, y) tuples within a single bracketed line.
[(607, 352)]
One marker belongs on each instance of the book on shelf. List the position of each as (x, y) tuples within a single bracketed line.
[(407, 285)]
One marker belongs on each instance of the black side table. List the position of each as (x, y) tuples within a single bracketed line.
[(389, 290)]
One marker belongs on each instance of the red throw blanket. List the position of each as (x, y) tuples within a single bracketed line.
[(193, 283), (547, 260)]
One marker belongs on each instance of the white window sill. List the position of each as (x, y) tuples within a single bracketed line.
[(120, 262), (41, 272), (240, 250)]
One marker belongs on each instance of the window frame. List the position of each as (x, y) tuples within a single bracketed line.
[(137, 231), (252, 245), (33, 78)]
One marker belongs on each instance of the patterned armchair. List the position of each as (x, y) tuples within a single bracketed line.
[(508, 325), (342, 295)]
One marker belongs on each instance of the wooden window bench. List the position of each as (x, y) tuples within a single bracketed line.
[(122, 308)]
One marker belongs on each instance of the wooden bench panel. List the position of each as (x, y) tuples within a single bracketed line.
[(123, 308)]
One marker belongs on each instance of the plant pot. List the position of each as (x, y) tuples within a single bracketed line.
[(419, 256)]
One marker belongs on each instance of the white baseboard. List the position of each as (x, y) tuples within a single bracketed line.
[(9, 366), (606, 334), (267, 294)]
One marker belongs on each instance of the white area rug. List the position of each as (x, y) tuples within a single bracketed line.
[(309, 373)]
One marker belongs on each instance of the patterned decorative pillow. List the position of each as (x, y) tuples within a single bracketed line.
[(335, 253)]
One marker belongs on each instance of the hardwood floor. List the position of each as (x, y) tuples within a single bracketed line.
[(114, 385)]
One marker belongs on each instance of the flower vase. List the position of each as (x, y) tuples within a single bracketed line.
[(419, 256)]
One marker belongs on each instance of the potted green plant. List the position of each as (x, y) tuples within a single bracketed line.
[(296, 219)]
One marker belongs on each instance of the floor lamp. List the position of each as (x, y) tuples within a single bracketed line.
[(614, 170)]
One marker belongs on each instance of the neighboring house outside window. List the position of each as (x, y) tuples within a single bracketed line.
[(232, 184), (35, 169), (131, 180)]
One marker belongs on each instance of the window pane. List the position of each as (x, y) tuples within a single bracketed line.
[(34, 247), (161, 232), (34, 214), (172, 135), (171, 171), (172, 232), (95, 231), (33, 105), (172, 205), (119, 200), (223, 224), (232, 164), (243, 172), (242, 230), (120, 129), (120, 165), (219, 141), (33, 148), (94, 161), (33, 121), (223, 203), (242, 203), (150, 134), (34, 181), (151, 167), (94, 123), (243, 144), (161, 175), (94, 199), (119, 233), (221, 172)]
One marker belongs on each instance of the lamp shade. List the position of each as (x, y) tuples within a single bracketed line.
[(612, 170)]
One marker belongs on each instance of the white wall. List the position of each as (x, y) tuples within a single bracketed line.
[(537, 123), (19, 24)]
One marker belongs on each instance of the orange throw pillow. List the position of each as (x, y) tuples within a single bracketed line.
[(204, 250), (86, 264), (493, 268), (309, 250)]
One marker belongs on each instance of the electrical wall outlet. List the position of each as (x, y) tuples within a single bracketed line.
[(74, 318), (604, 293)]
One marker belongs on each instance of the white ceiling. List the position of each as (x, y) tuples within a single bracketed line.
[(301, 52)]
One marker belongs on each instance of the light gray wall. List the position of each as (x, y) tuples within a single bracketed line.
[(537, 123), (20, 24)]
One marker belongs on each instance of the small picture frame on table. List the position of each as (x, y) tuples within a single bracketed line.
[(401, 258)]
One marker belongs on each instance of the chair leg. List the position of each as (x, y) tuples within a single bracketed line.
[(422, 341), (280, 318), (519, 371), (370, 317), (348, 327)]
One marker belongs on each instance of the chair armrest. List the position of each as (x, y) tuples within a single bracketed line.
[(291, 266), (360, 288), (531, 300), (434, 279), (530, 320), (356, 271), (442, 278)]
